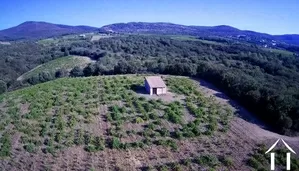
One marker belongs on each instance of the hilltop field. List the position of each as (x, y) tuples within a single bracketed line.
[(109, 123)]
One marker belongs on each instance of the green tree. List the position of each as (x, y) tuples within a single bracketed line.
[(61, 73), (76, 72), (90, 70)]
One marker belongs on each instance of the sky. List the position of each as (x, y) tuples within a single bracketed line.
[(267, 16)]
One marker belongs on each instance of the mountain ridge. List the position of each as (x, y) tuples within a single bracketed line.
[(202, 31), (41, 29)]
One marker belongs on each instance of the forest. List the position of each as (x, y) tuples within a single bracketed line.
[(19, 57), (266, 83)]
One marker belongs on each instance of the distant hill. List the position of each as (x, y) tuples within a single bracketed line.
[(37, 30), (289, 38), (203, 31)]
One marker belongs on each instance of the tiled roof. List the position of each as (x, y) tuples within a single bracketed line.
[(155, 81)]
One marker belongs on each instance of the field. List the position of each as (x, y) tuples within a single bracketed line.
[(192, 38), (67, 63), (64, 40), (181, 37), (187, 38), (4, 43), (279, 51), (98, 37), (109, 123)]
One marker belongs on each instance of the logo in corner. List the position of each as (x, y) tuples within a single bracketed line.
[(288, 155)]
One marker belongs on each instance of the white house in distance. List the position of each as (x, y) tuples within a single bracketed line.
[(155, 85)]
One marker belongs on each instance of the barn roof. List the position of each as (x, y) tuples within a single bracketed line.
[(155, 81)]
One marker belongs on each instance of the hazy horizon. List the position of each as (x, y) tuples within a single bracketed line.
[(265, 17)]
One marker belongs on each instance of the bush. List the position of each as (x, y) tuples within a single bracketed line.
[(177, 134), (6, 145), (163, 168), (227, 161), (90, 148), (172, 144), (164, 132), (252, 162), (153, 116), (186, 162), (30, 148), (139, 120), (151, 126), (50, 149), (172, 117), (3, 87), (207, 160), (115, 113), (115, 143), (90, 70), (98, 143)]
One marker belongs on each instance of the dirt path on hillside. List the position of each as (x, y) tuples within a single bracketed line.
[(245, 124)]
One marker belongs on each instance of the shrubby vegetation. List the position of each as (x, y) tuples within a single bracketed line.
[(266, 83), (5, 145), (67, 112)]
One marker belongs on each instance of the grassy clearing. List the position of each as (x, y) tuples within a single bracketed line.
[(98, 37), (181, 37), (212, 42), (4, 43), (67, 63), (65, 39), (192, 38), (279, 51), (74, 111), (47, 41)]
